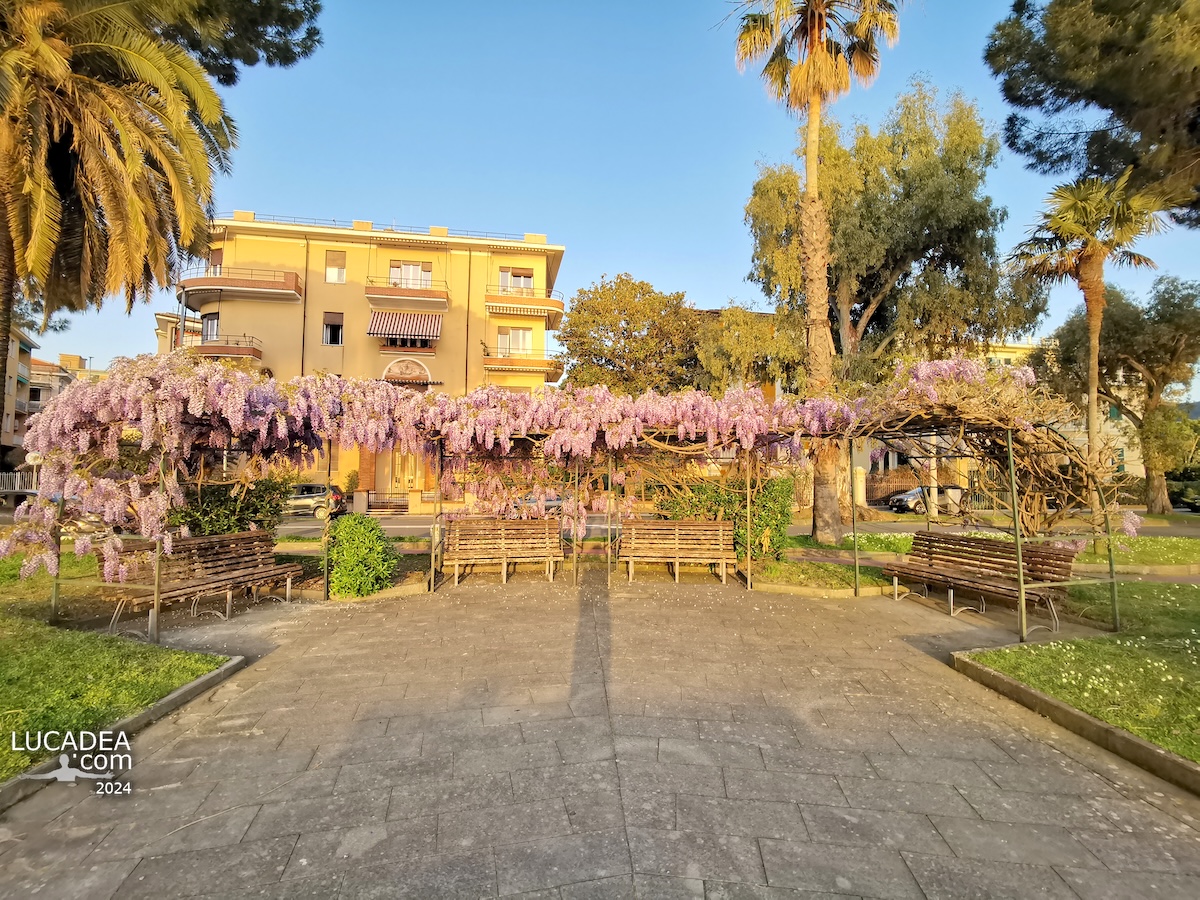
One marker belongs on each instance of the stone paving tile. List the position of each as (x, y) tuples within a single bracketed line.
[(1147, 853), (386, 773), (1047, 779), (73, 883), (819, 762), (48, 847), (903, 796), (801, 787), (1036, 809), (320, 887), (947, 878), (748, 818), (874, 828), (727, 890), (464, 875), (768, 735), (495, 825), (671, 778), (709, 753), (505, 715), (538, 865), (900, 767), (648, 809), (560, 781), (864, 871), (318, 814), (154, 803), (321, 852), (1046, 845), (224, 870), (157, 837), (692, 854), (619, 887), (1095, 884), (595, 811), (506, 759), (686, 729), (476, 737)]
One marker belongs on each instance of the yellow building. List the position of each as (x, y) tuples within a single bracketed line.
[(428, 308)]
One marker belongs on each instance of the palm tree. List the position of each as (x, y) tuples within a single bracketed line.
[(813, 50), (1087, 223), (109, 142)]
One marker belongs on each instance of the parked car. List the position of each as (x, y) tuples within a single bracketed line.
[(914, 501), (316, 500)]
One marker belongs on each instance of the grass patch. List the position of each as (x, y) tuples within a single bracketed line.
[(296, 539), (1146, 551), (817, 574), (56, 679), (1145, 680)]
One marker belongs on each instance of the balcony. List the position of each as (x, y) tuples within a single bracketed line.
[(502, 299), (385, 290), (226, 346), (35, 406), (505, 359), (23, 371), (253, 284), (21, 406)]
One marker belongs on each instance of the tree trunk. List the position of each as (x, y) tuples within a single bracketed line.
[(814, 244), (1158, 501), (1091, 283), (8, 290)]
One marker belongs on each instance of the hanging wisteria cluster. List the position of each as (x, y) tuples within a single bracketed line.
[(121, 449)]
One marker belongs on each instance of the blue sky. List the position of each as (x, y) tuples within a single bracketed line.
[(621, 129)]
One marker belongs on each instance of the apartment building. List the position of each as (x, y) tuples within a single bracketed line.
[(47, 380), (16, 391), (433, 309)]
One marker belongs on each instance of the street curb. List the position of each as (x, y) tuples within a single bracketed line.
[(799, 590), (1154, 759), (865, 557), (18, 787)]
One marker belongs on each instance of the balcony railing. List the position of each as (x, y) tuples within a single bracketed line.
[(35, 406), (261, 281), (22, 406), (225, 345), (508, 290), (23, 370), (516, 353), (388, 286)]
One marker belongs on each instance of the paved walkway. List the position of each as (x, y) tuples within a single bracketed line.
[(653, 741)]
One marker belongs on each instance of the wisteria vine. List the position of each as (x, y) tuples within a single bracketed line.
[(121, 449)]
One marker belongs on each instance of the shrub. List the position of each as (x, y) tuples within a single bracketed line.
[(225, 508), (362, 559), (351, 482), (771, 513)]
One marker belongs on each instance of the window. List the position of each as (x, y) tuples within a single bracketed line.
[(210, 327), (332, 333), (335, 266), (407, 342), (1114, 412), (514, 341), (403, 273), (516, 281), (215, 259), (35, 395)]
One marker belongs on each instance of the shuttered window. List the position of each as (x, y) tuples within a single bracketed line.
[(335, 266), (332, 333)]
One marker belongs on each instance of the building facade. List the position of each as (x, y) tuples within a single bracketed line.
[(16, 392), (432, 309)]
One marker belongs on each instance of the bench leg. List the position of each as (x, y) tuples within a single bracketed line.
[(723, 573), (950, 594), (288, 595), (112, 625), (895, 588), (229, 604), (456, 574), (677, 571), (254, 593), (631, 570), (504, 571)]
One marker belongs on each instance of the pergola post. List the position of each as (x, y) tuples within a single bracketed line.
[(435, 529), (1022, 624), (608, 526), (1112, 568), (575, 535), (749, 539), (328, 514), (58, 559), (153, 626), (854, 519)]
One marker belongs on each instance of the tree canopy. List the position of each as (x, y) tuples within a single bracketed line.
[(1102, 86), (1147, 352), (623, 333), (738, 347), (914, 259), (226, 35)]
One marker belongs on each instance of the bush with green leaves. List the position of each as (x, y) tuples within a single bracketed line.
[(230, 508), (361, 557), (710, 501), (351, 482)]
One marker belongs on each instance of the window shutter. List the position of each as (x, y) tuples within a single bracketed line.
[(526, 272), (216, 257), (333, 318), (335, 259), (426, 267), (396, 263)]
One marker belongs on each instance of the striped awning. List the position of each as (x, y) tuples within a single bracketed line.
[(405, 325)]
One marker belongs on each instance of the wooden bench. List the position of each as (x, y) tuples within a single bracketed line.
[(984, 568), (503, 541), (198, 567), (677, 542)]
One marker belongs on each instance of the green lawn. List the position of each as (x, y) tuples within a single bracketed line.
[(57, 679), (1146, 551), (816, 574), (1145, 680)]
